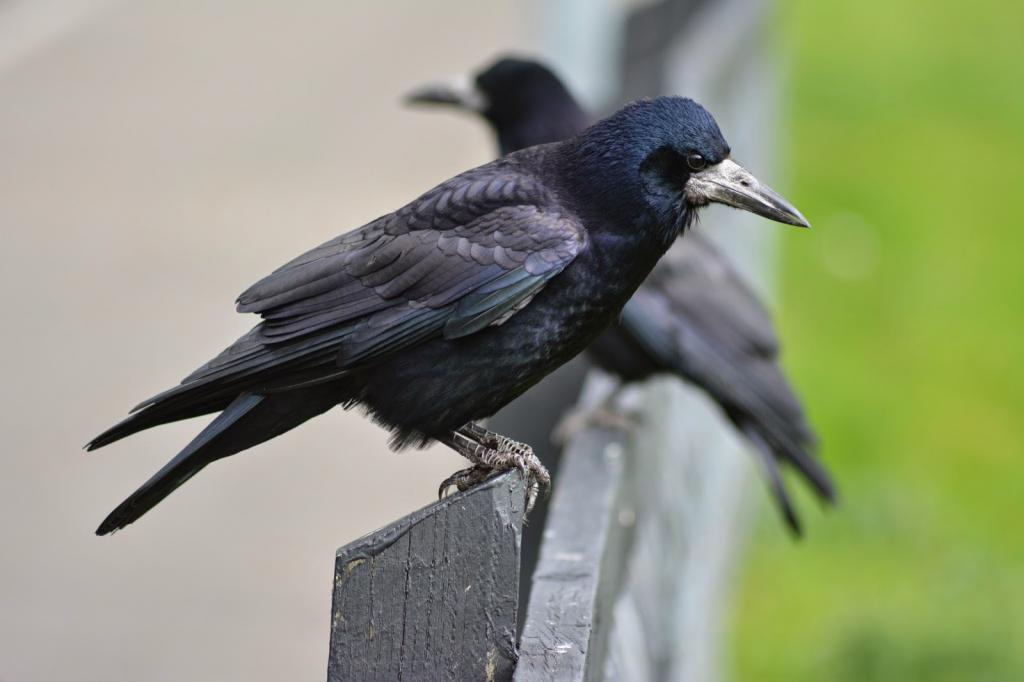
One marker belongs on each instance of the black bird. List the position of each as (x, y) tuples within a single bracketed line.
[(437, 315), (694, 316)]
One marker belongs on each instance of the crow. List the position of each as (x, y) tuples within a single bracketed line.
[(433, 317), (695, 316)]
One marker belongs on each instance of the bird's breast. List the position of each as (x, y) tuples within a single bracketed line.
[(588, 295)]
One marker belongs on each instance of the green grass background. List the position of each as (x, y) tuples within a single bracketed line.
[(903, 318)]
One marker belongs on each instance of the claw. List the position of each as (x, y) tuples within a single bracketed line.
[(464, 479), (490, 453)]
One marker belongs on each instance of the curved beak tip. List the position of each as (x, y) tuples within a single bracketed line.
[(782, 210), (733, 185), (799, 220)]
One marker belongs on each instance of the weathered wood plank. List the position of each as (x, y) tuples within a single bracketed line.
[(434, 595), (531, 418), (580, 564), (687, 471)]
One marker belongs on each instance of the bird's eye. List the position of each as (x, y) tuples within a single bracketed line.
[(695, 161)]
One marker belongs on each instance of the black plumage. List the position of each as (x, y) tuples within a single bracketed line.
[(437, 315), (694, 316)]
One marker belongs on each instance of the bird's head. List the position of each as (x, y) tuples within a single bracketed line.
[(670, 152), (523, 101)]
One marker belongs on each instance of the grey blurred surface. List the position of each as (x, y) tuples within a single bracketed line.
[(155, 159)]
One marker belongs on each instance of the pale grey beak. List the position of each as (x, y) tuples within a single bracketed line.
[(731, 184), (460, 93)]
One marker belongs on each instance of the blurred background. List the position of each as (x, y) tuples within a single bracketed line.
[(158, 157), (903, 319)]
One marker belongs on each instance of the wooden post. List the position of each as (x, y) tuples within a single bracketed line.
[(434, 595), (580, 566)]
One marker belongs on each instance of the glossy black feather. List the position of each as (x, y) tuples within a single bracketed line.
[(483, 234), (447, 309), (694, 316), (248, 420)]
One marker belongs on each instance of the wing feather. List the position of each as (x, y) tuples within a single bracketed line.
[(467, 254), (466, 234)]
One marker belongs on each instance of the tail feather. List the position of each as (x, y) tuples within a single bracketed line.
[(246, 365), (770, 455), (812, 471), (770, 464), (249, 420), (186, 402), (184, 466), (787, 440), (154, 415)]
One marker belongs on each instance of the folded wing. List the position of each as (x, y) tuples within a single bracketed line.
[(465, 255)]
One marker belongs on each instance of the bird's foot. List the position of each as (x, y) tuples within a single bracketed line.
[(492, 453), (505, 453), (513, 454), (464, 479), (604, 416)]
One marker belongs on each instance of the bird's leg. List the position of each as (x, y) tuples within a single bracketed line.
[(506, 453), (491, 453)]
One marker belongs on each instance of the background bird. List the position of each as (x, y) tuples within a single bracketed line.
[(695, 316), (438, 314)]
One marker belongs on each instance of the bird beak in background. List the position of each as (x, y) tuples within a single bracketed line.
[(731, 184), (460, 93)]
